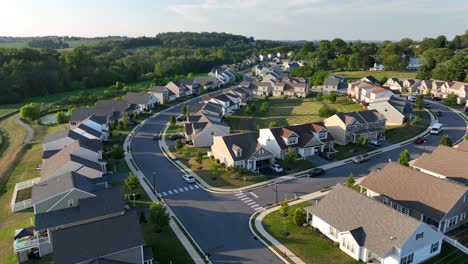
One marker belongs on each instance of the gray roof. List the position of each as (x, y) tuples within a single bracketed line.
[(366, 116), (92, 144), (137, 98), (89, 130), (81, 113), (106, 202), (98, 119), (97, 239), (248, 143), (330, 81), (348, 210), (51, 187), (116, 105), (158, 89), (204, 81), (400, 104)]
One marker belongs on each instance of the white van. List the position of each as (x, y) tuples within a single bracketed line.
[(436, 128)]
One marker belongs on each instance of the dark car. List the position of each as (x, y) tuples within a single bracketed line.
[(360, 158), (375, 142), (316, 172), (420, 140), (133, 122), (180, 118), (156, 137), (427, 105), (176, 136), (439, 113), (435, 98), (326, 155)]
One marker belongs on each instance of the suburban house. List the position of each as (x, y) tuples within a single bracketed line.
[(208, 83), (414, 64), (212, 109), (229, 106), (120, 106), (243, 93), (289, 66), (432, 87), (348, 127), (298, 90), (93, 127), (335, 84), (270, 78), (439, 203), (400, 84), (295, 80), (371, 231), (364, 92), (144, 101), (81, 113), (463, 146), (397, 110), (182, 88), (444, 162), (223, 73), (52, 144), (241, 150), (458, 88), (202, 128), (305, 139), (81, 149), (162, 94), (377, 67), (370, 79), (262, 88)]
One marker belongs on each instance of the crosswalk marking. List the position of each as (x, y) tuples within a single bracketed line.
[(248, 200), (253, 194), (170, 192), (185, 188), (191, 188), (259, 208), (242, 196), (239, 194), (164, 193), (175, 191), (251, 203), (196, 186), (245, 198), (181, 190)]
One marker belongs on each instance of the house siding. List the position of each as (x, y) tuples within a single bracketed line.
[(219, 151), (459, 208), (421, 247), (267, 140), (337, 129), (205, 137), (393, 116)]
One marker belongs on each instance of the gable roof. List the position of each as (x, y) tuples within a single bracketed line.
[(372, 79), (347, 210), (400, 104), (245, 141), (93, 240), (81, 113), (432, 196), (449, 162), (92, 144), (303, 131), (137, 98), (116, 105), (89, 130), (463, 146), (366, 116), (158, 89)]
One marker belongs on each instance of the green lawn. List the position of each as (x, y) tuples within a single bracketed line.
[(177, 129), (8, 109), (449, 255), (344, 152), (395, 134), (295, 166), (356, 75), (307, 244), (286, 112), (13, 45)]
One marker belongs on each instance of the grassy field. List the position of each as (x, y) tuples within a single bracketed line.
[(286, 112), (14, 45), (356, 75), (8, 109), (395, 134), (449, 255), (305, 243)]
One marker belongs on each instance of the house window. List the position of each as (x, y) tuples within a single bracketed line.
[(348, 245), (70, 203), (322, 135), (434, 247), (420, 235), (333, 232), (462, 216), (386, 201), (260, 151), (452, 221), (465, 198), (408, 259), (292, 140)]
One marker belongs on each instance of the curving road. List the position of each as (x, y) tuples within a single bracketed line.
[(219, 222)]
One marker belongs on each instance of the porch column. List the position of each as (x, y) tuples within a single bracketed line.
[(307, 217)]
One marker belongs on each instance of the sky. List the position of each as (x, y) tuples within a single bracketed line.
[(261, 19)]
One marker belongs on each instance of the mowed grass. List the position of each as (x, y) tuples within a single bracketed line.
[(449, 255), (305, 243), (13, 45), (356, 75), (286, 112), (8, 109)]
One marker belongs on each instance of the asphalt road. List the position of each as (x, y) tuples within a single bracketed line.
[(219, 222)]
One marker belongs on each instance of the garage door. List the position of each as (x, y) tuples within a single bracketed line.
[(308, 152)]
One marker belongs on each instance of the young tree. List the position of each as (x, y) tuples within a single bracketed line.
[(284, 208), (451, 99), (31, 111), (416, 120), (446, 141), (273, 124), (214, 168), (290, 156), (248, 110), (125, 121), (319, 97), (172, 121), (326, 111), (350, 180), (332, 97), (178, 144), (61, 117), (264, 107), (404, 89), (363, 141), (158, 217), (199, 158), (117, 152), (299, 216), (186, 150), (419, 102), (132, 182), (404, 158), (185, 110)]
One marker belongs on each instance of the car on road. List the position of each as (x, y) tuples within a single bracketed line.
[(156, 137), (412, 98), (361, 158), (188, 178), (327, 155), (375, 142), (439, 113), (315, 172), (276, 167), (435, 98), (420, 140), (436, 128), (427, 105), (176, 136)]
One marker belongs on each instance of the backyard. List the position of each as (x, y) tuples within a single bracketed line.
[(356, 75), (448, 255), (307, 244), (395, 134), (285, 112)]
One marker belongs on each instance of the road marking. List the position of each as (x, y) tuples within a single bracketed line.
[(196, 186), (164, 193), (245, 198), (185, 188), (251, 203), (169, 192), (255, 205), (175, 191), (248, 200), (239, 194), (253, 194), (258, 208), (181, 190), (191, 188), (242, 196)]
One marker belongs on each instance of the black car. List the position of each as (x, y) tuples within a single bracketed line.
[(155, 137), (176, 136), (316, 172), (326, 155), (439, 113), (435, 98)]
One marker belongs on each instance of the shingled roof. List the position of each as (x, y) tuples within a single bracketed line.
[(366, 116), (432, 196), (304, 132), (137, 98), (348, 210), (248, 143)]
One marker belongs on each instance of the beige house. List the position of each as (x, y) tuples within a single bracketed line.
[(433, 87), (348, 127), (162, 94), (364, 92), (261, 88), (444, 162), (435, 201), (398, 84), (241, 150), (396, 110), (298, 90), (203, 128), (458, 88)]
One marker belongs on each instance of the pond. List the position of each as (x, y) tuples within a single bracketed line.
[(49, 119)]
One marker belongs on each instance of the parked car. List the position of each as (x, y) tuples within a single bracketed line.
[(276, 167), (176, 136), (360, 158), (180, 118), (412, 98), (420, 140), (316, 172), (133, 122), (435, 98), (188, 178), (427, 105), (327, 155), (439, 113), (375, 142), (155, 137)]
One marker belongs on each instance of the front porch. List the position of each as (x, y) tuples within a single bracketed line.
[(30, 244)]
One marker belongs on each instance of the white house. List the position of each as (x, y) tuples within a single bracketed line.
[(369, 230), (228, 105), (377, 67), (144, 101), (414, 64)]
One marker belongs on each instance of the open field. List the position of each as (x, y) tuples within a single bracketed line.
[(305, 243), (13, 45), (356, 75), (8, 109), (449, 255), (286, 112)]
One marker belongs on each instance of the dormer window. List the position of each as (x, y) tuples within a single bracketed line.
[(322, 135), (239, 153), (292, 140)]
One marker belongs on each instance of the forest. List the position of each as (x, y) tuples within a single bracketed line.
[(29, 72)]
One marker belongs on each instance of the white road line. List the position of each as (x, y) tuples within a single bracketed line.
[(164, 193), (169, 192), (259, 208), (253, 194), (255, 206), (191, 188), (249, 204), (242, 196), (196, 186), (175, 191), (181, 190), (185, 188), (248, 201), (245, 198), (239, 194)]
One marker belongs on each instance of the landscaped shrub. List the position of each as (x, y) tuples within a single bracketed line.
[(326, 111)]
